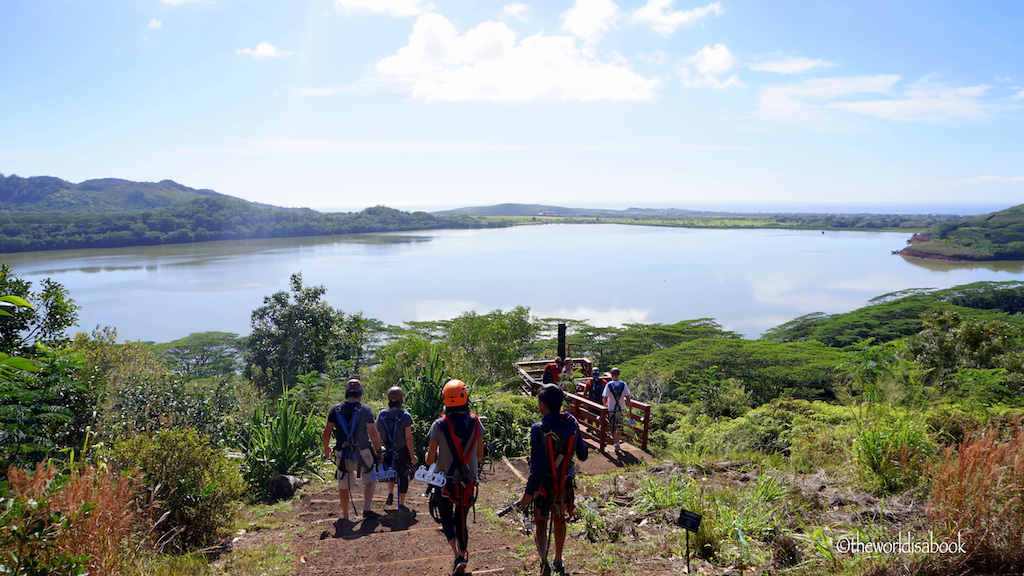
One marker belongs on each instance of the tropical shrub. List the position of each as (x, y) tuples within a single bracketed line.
[(284, 442), (509, 416), (196, 487)]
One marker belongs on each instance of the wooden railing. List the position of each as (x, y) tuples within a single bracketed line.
[(592, 416)]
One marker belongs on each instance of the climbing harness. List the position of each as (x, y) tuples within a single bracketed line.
[(462, 490)]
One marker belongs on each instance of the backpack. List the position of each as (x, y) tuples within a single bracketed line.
[(560, 452), (617, 395), (596, 388), (346, 441), (461, 488), (391, 419), (552, 374)]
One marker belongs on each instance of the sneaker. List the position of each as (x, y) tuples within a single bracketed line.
[(403, 509), (390, 500), (459, 566), (370, 514), (545, 568), (558, 567)]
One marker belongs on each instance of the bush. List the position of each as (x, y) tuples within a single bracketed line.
[(285, 442), (195, 485), (509, 416), (770, 428)]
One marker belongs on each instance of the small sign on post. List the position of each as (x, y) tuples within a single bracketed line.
[(691, 522)]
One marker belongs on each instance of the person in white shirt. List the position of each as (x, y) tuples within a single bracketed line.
[(616, 401)]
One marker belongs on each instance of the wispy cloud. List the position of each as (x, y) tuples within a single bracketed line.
[(590, 19), (516, 11), (710, 68), (179, 2), (791, 65), (1019, 95), (872, 96), (663, 19), (264, 50), (155, 24), (927, 104), (396, 8), (489, 63)]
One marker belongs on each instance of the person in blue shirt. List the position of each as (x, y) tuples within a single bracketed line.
[(554, 441)]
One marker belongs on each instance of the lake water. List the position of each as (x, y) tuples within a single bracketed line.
[(748, 280)]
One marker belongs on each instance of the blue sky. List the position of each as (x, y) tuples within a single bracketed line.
[(342, 104)]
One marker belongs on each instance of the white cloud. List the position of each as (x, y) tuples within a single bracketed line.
[(178, 2), (600, 316), (590, 19), (263, 50), (516, 11), (1019, 95), (709, 69), (488, 63), (872, 96), (396, 8), (664, 20), (923, 105), (791, 65), (155, 24)]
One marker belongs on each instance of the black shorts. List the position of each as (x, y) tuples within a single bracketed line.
[(544, 499)]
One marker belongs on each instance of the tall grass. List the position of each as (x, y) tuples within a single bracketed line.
[(56, 522), (977, 494), (892, 453)]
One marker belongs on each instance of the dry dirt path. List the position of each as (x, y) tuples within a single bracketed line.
[(412, 544)]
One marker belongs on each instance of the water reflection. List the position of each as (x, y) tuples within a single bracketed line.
[(747, 280), (1012, 267)]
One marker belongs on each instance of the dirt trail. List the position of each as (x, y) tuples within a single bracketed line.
[(412, 544)]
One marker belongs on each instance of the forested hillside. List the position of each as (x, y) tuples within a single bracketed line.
[(995, 236), (53, 195), (204, 219)]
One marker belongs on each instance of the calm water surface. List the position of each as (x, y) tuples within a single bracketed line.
[(748, 280)]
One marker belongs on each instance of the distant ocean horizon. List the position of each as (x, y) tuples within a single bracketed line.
[(956, 208)]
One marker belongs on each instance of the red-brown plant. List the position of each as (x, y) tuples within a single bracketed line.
[(977, 494), (102, 508)]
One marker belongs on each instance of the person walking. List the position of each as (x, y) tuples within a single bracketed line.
[(394, 425), (552, 372), (456, 445), (595, 387), (616, 400), (351, 424), (554, 441)]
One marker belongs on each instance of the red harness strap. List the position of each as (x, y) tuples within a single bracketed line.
[(463, 492), (562, 502)]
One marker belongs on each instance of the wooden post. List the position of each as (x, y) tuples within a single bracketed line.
[(561, 339)]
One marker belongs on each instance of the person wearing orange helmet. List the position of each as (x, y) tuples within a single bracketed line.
[(456, 445), (394, 425), (351, 424)]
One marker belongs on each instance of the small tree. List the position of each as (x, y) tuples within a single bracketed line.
[(297, 333), (45, 320)]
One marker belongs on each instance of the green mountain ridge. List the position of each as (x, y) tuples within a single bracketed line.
[(54, 195)]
